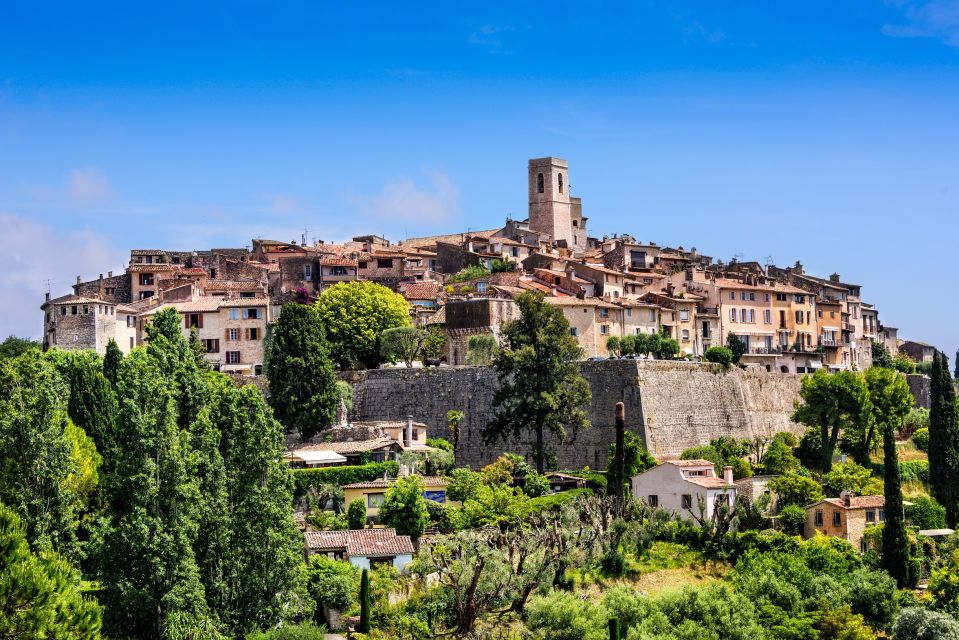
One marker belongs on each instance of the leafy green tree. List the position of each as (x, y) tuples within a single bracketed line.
[(92, 403), (111, 361), (495, 504), (925, 513), (736, 345), (402, 343), (356, 514), (355, 315), (834, 402), (792, 488), (303, 392), (666, 348), (792, 517), (332, 583), (481, 350), (779, 458), (13, 347), (719, 355), (404, 507), (903, 363), (613, 345), (944, 440), (880, 355), (463, 484), (365, 606), (39, 593), (853, 477), (920, 438), (36, 458), (540, 387), (435, 344), (917, 623), (535, 485), (454, 419)]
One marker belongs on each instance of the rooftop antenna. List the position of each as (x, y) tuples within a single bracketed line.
[(737, 257), (769, 261), (49, 282), (303, 237)]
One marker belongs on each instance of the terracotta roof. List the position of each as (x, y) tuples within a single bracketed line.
[(709, 483), (351, 447), (451, 238), (72, 299), (422, 290), (580, 302), (337, 262), (146, 252), (428, 481), (361, 542), (259, 301), (690, 463), (162, 266), (233, 285), (858, 502)]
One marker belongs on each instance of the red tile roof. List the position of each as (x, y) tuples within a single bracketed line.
[(371, 543), (428, 481), (859, 502), (690, 463), (337, 262), (422, 290)]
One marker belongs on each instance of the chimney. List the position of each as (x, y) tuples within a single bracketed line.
[(78, 279), (846, 497), (109, 274), (409, 431), (728, 474), (834, 277), (48, 296)]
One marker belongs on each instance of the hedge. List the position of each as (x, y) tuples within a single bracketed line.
[(542, 503), (304, 479)]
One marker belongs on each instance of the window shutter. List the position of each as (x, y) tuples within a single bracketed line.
[(216, 345), (186, 320), (226, 335), (199, 324)]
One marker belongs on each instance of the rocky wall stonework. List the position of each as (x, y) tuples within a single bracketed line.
[(672, 406)]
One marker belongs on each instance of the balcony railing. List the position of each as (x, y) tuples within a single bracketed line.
[(765, 351), (831, 342)]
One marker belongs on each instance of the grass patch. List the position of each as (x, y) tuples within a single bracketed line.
[(665, 555)]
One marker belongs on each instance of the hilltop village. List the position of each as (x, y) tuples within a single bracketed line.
[(521, 433), (789, 320)]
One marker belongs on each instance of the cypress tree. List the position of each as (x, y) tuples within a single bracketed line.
[(613, 629), (619, 461), (111, 362), (302, 383), (955, 373), (944, 440), (895, 544), (364, 603)]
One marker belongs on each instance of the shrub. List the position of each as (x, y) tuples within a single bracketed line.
[(332, 583), (779, 458), (462, 484), (793, 488), (441, 517), (851, 476), (469, 273), (810, 446), (720, 355), (792, 518), (535, 485), (300, 631), (554, 500), (563, 616), (926, 513), (356, 514), (920, 438), (439, 443), (916, 623)]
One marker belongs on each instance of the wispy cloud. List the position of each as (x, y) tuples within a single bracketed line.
[(283, 203), (403, 199), (696, 30), (88, 187), (490, 37), (931, 19), (31, 253)]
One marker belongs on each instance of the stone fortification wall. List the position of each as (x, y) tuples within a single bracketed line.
[(672, 406)]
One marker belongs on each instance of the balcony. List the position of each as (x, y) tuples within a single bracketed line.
[(848, 326), (765, 351), (831, 342)]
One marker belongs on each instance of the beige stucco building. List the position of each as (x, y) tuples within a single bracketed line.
[(681, 486)]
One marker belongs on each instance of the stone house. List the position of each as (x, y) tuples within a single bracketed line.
[(918, 351), (476, 316), (361, 442), (592, 321), (680, 486), (363, 548), (845, 517), (75, 322), (639, 317), (335, 269)]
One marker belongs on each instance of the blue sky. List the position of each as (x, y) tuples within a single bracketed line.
[(820, 131)]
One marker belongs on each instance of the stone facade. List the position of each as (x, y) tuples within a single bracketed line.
[(671, 406)]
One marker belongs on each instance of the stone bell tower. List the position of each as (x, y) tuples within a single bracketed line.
[(551, 209)]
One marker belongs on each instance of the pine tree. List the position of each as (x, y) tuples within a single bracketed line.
[(944, 440), (302, 383), (365, 605), (613, 629), (111, 361), (540, 386)]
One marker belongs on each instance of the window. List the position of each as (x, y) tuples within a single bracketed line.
[(233, 314), (654, 501), (684, 315), (252, 314), (253, 333), (212, 345), (767, 316), (560, 176), (213, 274), (481, 287), (573, 331), (146, 279), (193, 320), (652, 315), (743, 314), (781, 297), (765, 297), (514, 251), (604, 329), (247, 294), (258, 370), (818, 519), (752, 315), (685, 334), (384, 263), (233, 357), (63, 311), (308, 272), (870, 516), (836, 518), (232, 334), (687, 501), (799, 317), (800, 299), (882, 515), (732, 295), (604, 313), (131, 321), (732, 315), (375, 500), (540, 183), (73, 310), (629, 313)]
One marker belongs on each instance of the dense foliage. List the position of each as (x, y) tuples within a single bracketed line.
[(944, 439), (540, 387), (355, 315)]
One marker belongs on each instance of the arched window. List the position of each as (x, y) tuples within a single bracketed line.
[(560, 182), (540, 185)]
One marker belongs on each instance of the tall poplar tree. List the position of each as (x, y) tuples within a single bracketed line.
[(944, 439), (540, 386), (302, 382)]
